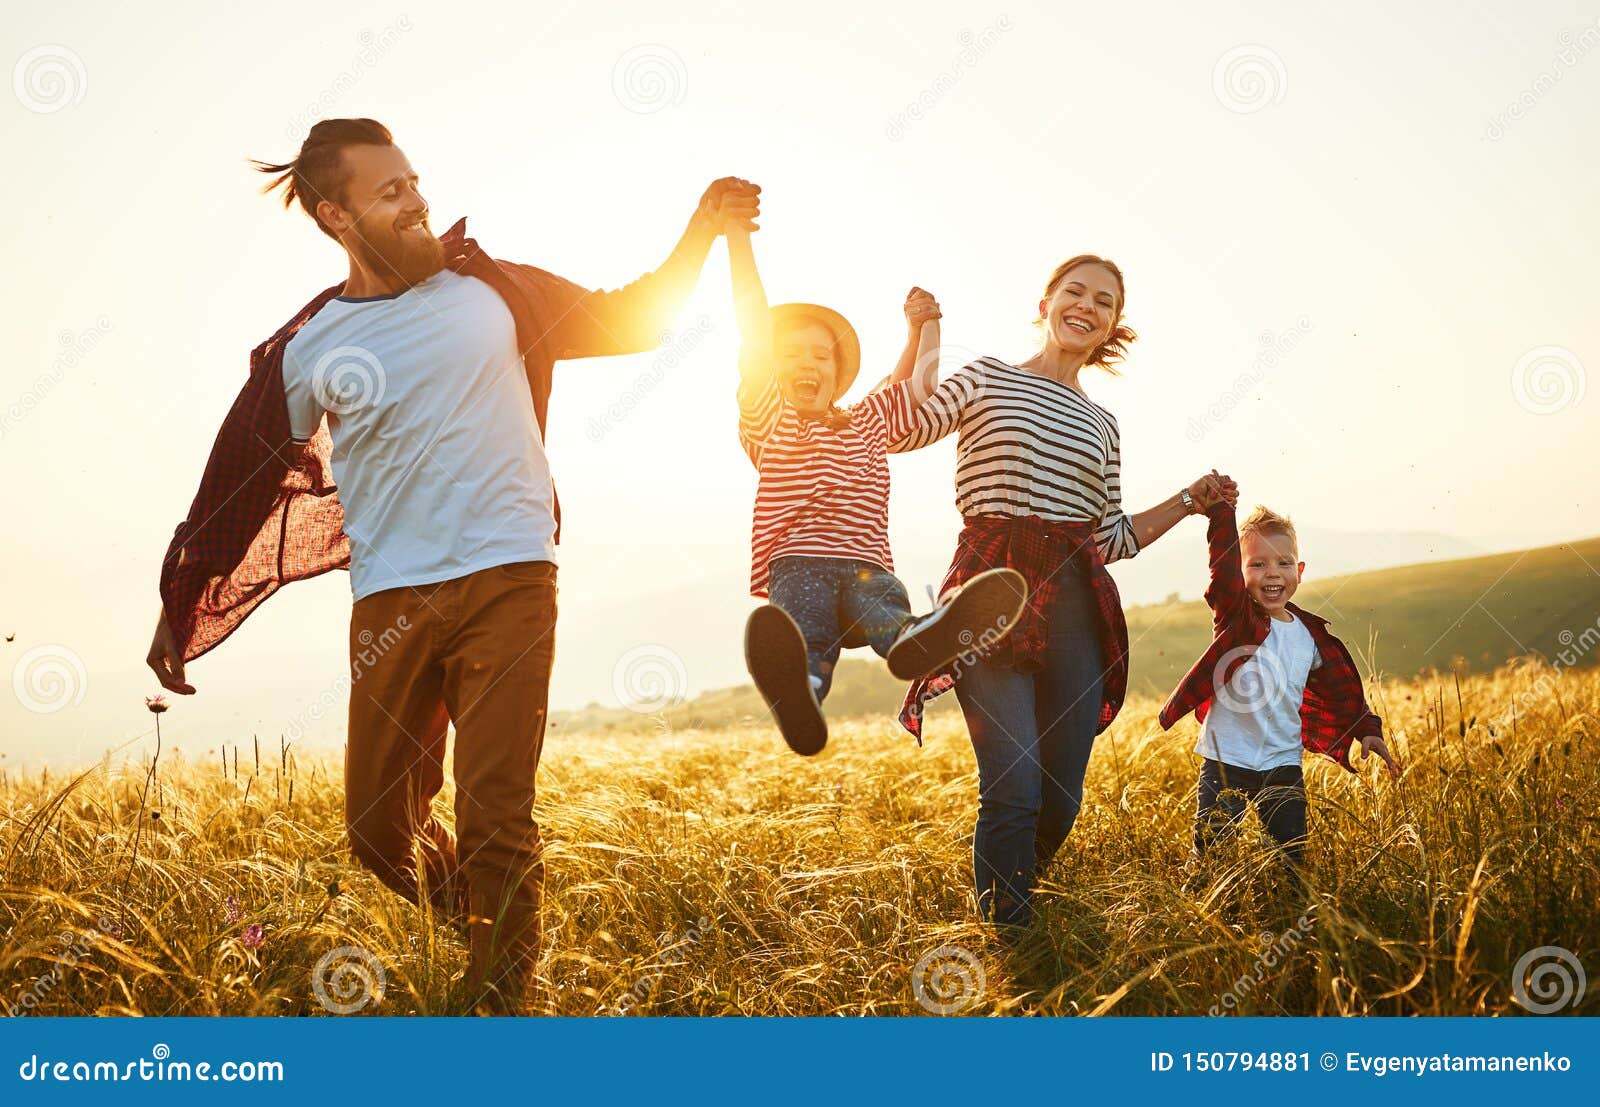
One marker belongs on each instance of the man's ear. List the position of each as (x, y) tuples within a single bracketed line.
[(331, 216)]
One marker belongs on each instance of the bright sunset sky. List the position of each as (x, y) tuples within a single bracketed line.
[(1349, 178)]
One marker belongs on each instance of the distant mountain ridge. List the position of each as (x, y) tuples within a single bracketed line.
[(1474, 612)]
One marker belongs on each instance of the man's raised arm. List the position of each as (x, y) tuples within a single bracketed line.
[(630, 319)]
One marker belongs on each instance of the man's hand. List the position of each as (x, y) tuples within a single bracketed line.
[(729, 202), (1374, 744), (166, 659), (920, 307)]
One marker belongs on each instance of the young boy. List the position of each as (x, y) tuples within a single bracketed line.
[(1274, 680), (820, 536)]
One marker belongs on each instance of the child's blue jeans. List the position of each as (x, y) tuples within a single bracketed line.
[(839, 601)]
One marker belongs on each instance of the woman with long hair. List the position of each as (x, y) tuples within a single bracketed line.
[(1039, 486)]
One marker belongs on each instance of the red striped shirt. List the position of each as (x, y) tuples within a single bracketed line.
[(822, 492)]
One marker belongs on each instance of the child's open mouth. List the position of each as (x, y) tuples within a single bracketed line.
[(1272, 591), (806, 389)]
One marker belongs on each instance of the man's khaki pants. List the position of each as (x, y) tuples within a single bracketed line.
[(475, 651)]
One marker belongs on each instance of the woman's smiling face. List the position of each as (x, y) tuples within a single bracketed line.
[(1082, 311)]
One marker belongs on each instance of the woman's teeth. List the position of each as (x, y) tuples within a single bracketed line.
[(1078, 325)]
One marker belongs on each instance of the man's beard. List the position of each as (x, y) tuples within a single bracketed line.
[(410, 257)]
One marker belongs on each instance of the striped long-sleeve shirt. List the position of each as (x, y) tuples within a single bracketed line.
[(1029, 445)]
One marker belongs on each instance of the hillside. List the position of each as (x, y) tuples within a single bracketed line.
[(1472, 613)]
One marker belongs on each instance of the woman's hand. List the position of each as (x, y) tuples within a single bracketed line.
[(1212, 489), (920, 307)]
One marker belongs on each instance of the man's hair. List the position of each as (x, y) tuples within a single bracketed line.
[(318, 172), (1263, 520)]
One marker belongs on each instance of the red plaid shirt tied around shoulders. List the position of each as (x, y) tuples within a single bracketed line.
[(1334, 712), (1041, 550), (267, 512)]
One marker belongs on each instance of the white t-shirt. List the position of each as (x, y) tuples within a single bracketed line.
[(440, 465), (1254, 720)]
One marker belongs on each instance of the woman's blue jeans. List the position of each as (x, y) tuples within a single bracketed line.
[(1032, 733)]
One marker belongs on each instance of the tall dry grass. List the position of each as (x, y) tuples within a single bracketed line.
[(715, 873)]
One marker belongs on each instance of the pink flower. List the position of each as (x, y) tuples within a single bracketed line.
[(156, 704), (233, 911), (254, 937)]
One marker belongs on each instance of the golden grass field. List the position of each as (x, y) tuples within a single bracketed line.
[(712, 872)]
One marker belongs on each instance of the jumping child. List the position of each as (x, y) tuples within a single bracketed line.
[(820, 536)]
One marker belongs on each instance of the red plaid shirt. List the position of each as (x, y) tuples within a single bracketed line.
[(268, 513), (1334, 711), (1040, 550)]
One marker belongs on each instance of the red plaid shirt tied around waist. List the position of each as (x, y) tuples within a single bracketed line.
[(1041, 550)]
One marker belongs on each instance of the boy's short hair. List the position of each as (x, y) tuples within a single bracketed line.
[(1263, 520)]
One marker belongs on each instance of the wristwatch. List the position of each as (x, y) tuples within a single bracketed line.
[(1188, 500)]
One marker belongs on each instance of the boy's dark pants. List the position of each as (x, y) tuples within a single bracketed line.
[(1279, 797), (838, 602)]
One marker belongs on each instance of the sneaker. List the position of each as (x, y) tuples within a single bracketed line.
[(980, 613), (775, 654)]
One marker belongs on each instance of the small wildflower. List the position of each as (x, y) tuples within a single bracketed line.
[(155, 816), (334, 889), (156, 704), (254, 936), (233, 912)]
